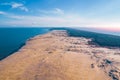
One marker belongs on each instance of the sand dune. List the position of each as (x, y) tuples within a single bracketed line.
[(56, 56)]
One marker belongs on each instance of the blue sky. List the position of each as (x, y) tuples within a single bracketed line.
[(57, 13)]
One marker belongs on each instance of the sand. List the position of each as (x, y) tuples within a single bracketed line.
[(57, 56)]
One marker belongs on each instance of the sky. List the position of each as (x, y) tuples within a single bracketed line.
[(102, 14)]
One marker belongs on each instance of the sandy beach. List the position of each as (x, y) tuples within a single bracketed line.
[(57, 56)]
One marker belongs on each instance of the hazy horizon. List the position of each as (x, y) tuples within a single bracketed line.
[(97, 30)]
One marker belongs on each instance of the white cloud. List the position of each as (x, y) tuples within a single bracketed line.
[(2, 13), (58, 11), (24, 8), (15, 5), (43, 21), (53, 11), (69, 20), (65, 21)]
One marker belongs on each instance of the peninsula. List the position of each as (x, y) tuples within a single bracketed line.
[(57, 56)]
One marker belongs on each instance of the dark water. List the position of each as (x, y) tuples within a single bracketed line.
[(11, 39), (101, 39)]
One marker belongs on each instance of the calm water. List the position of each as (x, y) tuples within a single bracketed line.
[(11, 39)]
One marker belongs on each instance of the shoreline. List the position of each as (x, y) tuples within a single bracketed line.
[(69, 32), (104, 40), (20, 40), (56, 54)]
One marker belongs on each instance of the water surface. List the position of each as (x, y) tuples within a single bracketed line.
[(11, 39)]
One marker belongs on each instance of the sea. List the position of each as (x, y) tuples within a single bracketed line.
[(11, 39)]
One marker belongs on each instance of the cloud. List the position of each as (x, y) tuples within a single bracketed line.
[(66, 20), (2, 13), (48, 21), (58, 11), (15, 5), (53, 11)]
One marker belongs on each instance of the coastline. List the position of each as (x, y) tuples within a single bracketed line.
[(57, 56), (103, 40), (12, 39)]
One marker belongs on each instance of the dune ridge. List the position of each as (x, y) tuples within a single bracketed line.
[(57, 56)]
